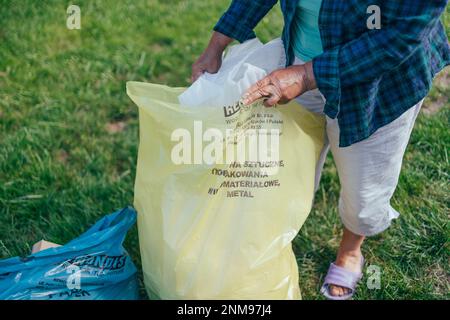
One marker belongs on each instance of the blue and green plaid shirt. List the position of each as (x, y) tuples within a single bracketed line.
[(369, 77)]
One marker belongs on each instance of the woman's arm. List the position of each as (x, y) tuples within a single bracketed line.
[(377, 51), (211, 59), (242, 17), (363, 59), (282, 85), (237, 23)]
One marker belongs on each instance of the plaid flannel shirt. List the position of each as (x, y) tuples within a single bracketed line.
[(369, 77)]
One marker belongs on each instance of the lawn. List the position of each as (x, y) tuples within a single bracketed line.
[(69, 138)]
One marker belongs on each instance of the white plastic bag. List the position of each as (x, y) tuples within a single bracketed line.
[(242, 66)]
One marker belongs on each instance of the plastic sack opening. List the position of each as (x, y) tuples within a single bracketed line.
[(242, 66)]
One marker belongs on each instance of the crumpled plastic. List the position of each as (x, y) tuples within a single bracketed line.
[(94, 266), (242, 66)]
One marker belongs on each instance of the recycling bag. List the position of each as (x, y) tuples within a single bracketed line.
[(93, 266), (221, 192)]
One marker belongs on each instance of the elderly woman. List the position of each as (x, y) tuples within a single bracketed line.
[(368, 78)]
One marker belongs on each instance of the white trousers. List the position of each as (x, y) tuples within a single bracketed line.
[(368, 170)]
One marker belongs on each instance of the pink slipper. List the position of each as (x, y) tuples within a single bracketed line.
[(342, 277)]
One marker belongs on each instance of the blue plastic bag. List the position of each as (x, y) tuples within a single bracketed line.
[(94, 266)]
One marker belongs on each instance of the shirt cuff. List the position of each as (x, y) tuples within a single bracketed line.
[(326, 72), (229, 26)]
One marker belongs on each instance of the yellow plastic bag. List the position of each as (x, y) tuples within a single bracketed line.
[(221, 230)]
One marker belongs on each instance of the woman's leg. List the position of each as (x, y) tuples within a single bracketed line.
[(348, 257), (368, 173)]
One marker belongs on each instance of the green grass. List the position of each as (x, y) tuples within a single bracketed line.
[(69, 137)]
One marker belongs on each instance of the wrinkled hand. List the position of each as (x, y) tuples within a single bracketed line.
[(282, 85), (210, 61)]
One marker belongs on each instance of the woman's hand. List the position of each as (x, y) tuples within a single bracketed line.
[(282, 85), (211, 59)]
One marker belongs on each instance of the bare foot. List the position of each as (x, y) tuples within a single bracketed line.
[(350, 260)]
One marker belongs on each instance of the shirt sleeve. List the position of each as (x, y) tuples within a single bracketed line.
[(376, 52), (242, 17)]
